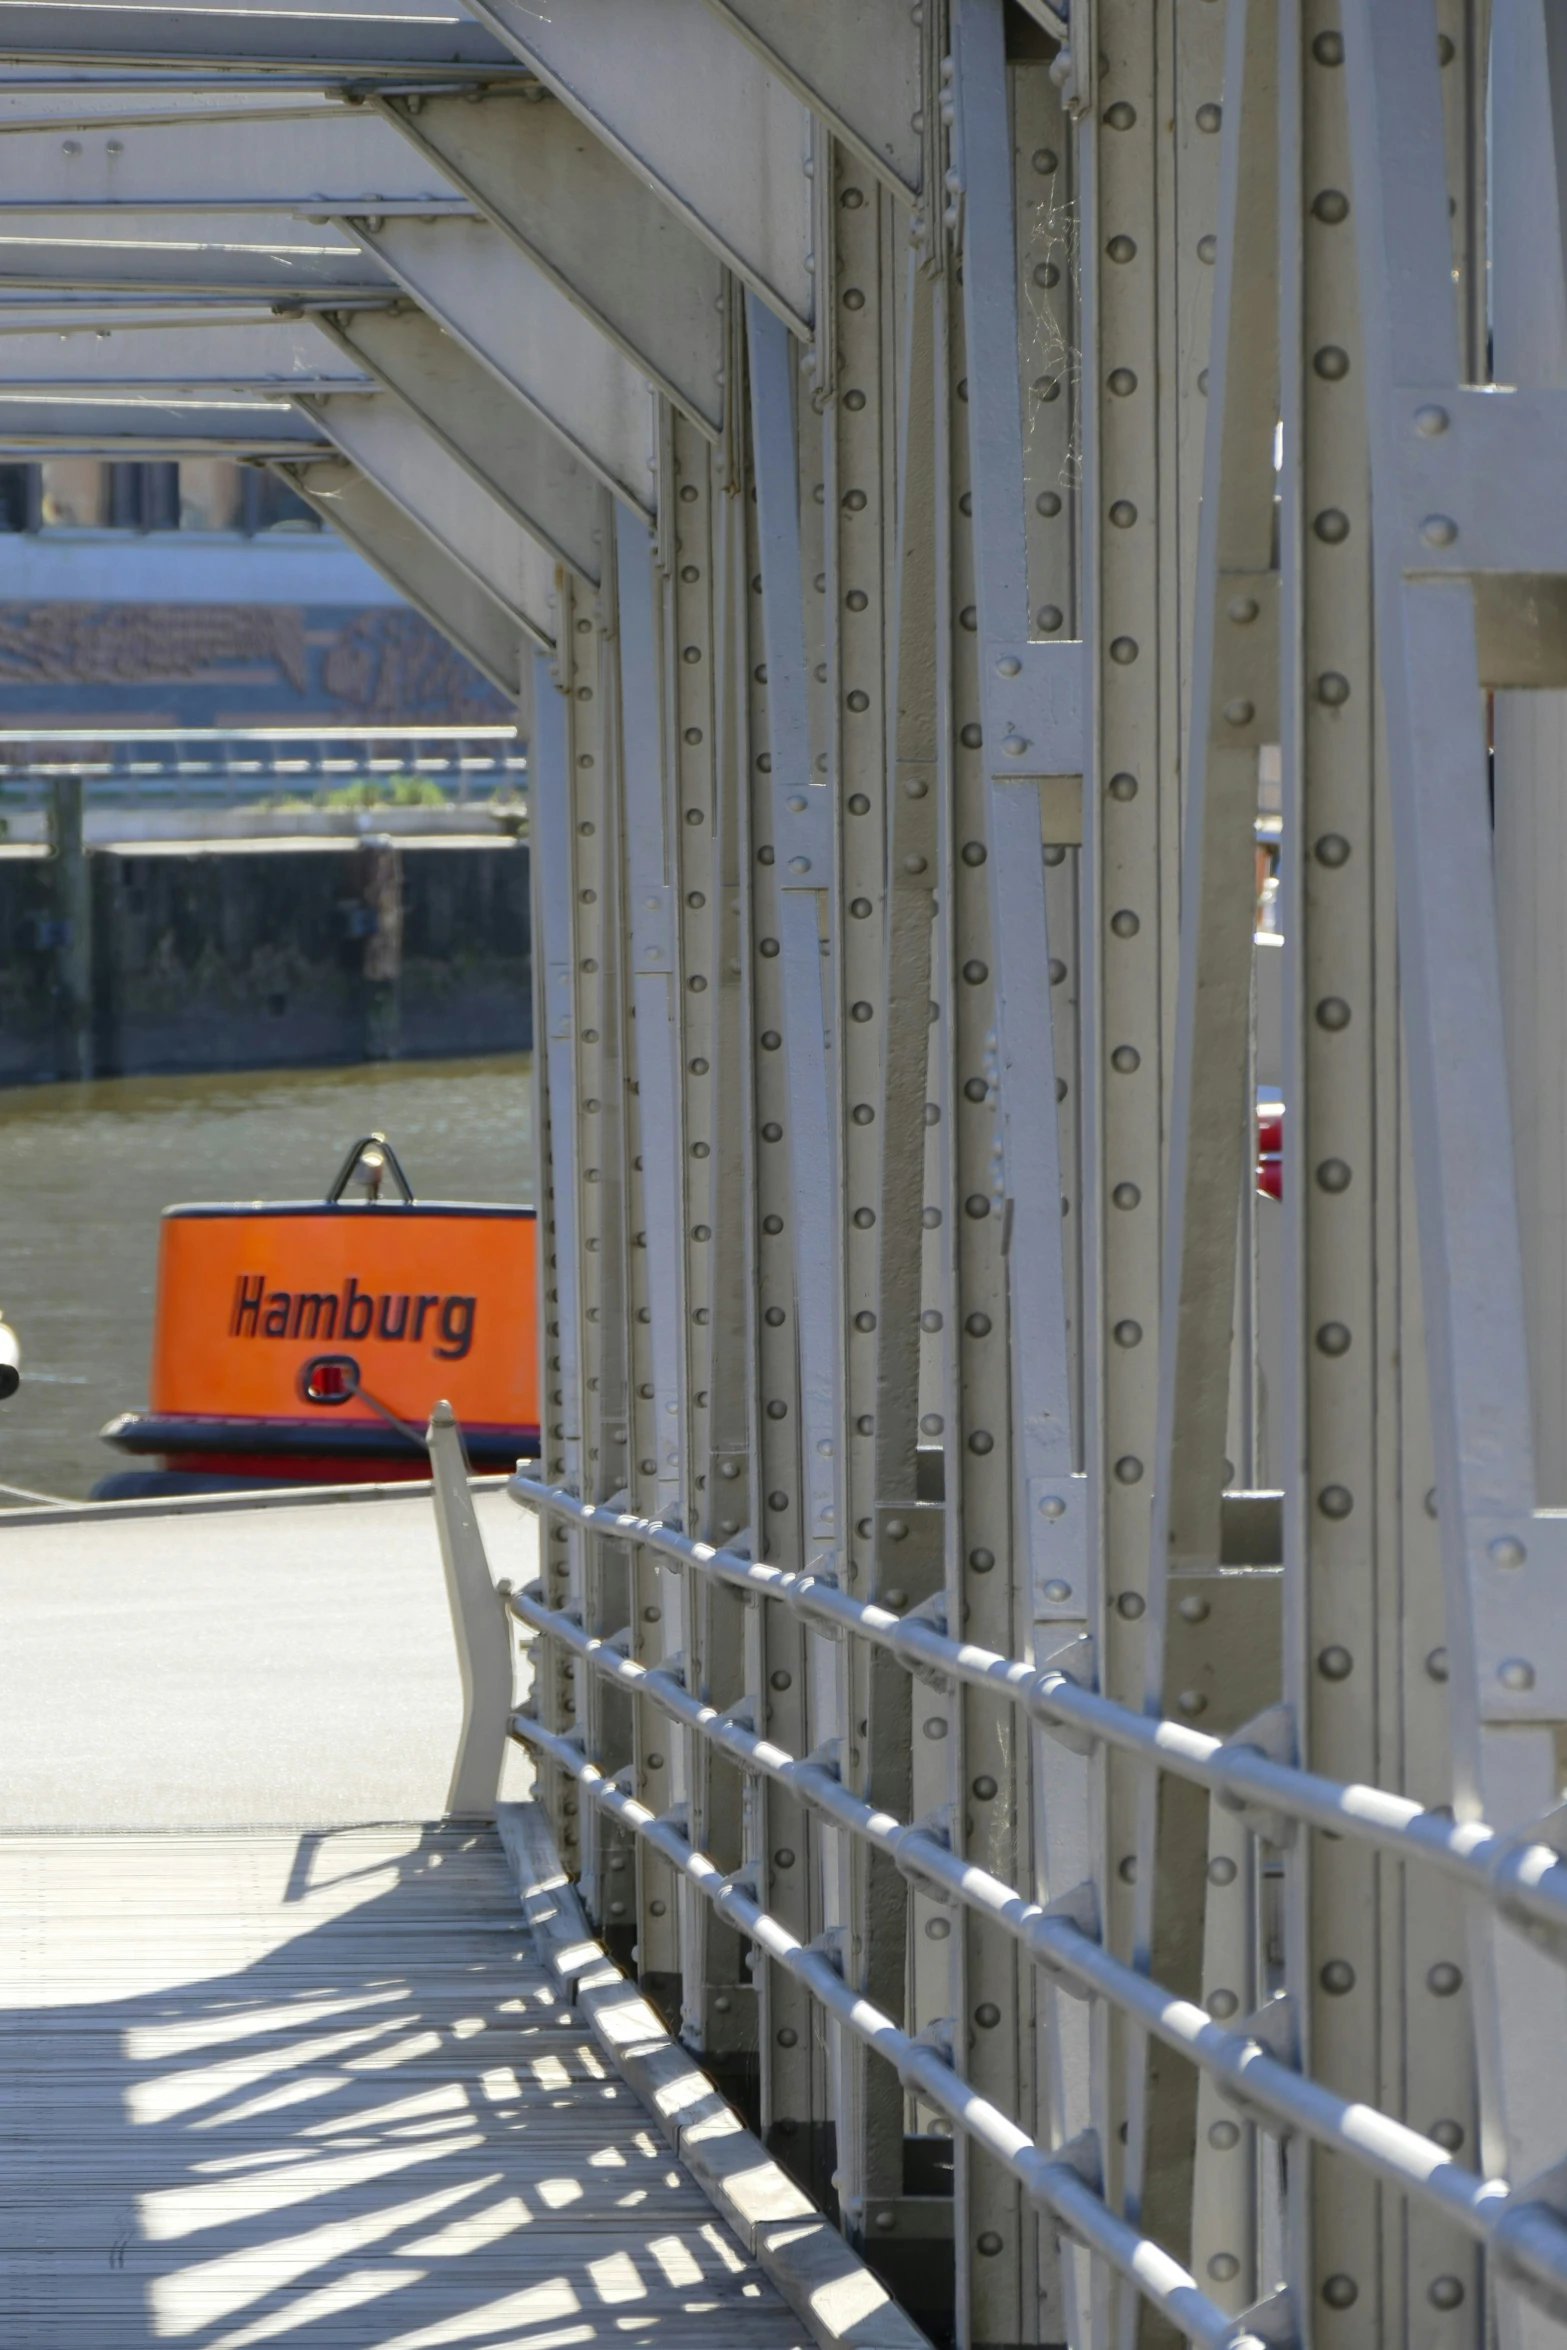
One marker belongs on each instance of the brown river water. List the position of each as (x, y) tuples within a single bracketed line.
[(86, 1170)]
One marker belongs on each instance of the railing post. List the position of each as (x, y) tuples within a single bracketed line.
[(479, 1625)]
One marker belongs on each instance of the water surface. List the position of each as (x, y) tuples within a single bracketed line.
[(86, 1170)]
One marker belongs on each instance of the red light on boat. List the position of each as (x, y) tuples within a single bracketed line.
[(329, 1379)]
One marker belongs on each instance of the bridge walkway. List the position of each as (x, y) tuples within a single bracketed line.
[(306, 2083)]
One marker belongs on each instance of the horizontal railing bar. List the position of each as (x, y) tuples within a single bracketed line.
[(1526, 1879), (1235, 2059), (1048, 2179)]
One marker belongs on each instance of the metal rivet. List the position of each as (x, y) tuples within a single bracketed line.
[(1052, 1506), (1058, 1593), (1015, 745), (1341, 2292), (1337, 1977), (1335, 1664), (1431, 420), (1445, 2292), (1439, 530), (1221, 1871), (1224, 2135), (1436, 1664), (1515, 1672), (1131, 1605), (1010, 667), (1444, 1979), (1239, 712), (1506, 1551), (1221, 2005)]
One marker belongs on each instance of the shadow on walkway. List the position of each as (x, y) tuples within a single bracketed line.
[(317, 2090)]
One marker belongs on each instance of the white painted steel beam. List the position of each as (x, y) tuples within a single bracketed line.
[(259, 355), (592, 225), (331, 160), (391, 449), (859, 67), (231, 258), (420, 569), (741, 182), (519, 325), (154, 424), (349, 36), (520, 461)]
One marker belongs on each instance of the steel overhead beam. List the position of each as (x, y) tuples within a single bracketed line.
[(696, 115), (592, 226), (521, 327), (409, 560), (350, 159), (92, 102), (392, 449), (374, 36), (132, 252), (275, 356), (857, 65), (523, 464), (117, 427), (26, 312)]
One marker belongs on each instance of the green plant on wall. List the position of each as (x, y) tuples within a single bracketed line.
[(386, 791)]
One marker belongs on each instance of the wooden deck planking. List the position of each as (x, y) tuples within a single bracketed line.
[(317, 2090)]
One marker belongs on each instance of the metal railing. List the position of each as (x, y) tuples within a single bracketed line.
[(1255, 2065), (225, 767)]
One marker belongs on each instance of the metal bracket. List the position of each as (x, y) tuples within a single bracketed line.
[(1079, 1907), (910, 1541), (1270, 1733), (1034, 709), (1075, 1662), (1082, 2156), (1550, 1831), (937, 1825), (1275, 2026), (1271, 2322), (829, 1944)]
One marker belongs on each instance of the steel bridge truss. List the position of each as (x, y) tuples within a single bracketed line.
[(1047, 1663)]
